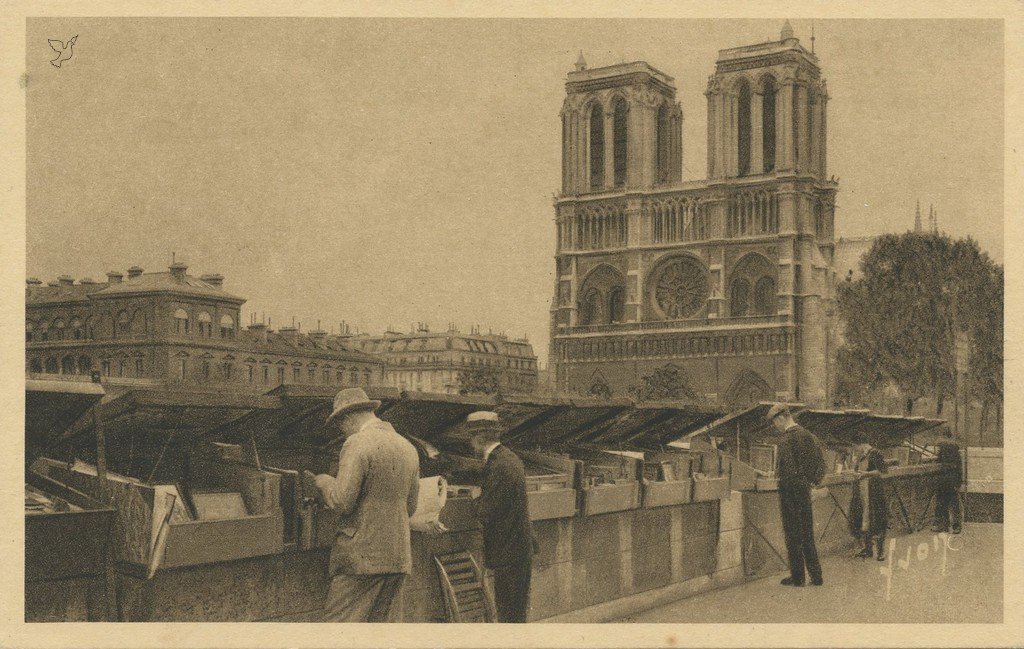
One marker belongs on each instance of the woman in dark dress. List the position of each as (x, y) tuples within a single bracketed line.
[(871, 521)]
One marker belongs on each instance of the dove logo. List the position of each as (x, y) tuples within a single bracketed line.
[(63, 50)]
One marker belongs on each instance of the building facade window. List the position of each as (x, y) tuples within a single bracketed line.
[(181, 321), (182, 367), (123, 326), (139, 365), (205, 324), (227, 327), (105, 367), (122, 367), (28, 332), (205, 369), (76, 329), (35, 365), (57, 329), (664, 143), (296, 374), (252, 373), (280, 375), (266, 375), (67, 365)]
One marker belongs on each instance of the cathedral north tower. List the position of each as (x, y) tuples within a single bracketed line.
[(727, 281)]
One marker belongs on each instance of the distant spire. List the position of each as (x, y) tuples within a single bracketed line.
[(931, 219), (787, 32), (917, 218), (812, 37), (581, 63), (935, 222)]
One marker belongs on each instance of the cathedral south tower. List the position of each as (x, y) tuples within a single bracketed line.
[(725, 282)]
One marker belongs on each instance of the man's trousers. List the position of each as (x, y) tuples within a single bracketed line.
[(365, 598), (798, 528)]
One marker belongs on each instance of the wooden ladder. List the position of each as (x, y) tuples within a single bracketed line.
[(465, 597)]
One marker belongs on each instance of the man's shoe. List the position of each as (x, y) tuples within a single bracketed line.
[(817, 582), (788, 581), (956, 530), (938, 528)]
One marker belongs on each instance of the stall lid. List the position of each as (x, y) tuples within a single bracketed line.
[(849, 427), (749, 423), (140, 426), (51, 408), (561, 424), (648, 428), (834, 427)]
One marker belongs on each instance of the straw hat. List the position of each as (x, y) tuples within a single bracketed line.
[(352, 400), (776, 410)]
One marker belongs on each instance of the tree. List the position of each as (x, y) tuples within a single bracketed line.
[(902, 315), (666, 383), (480, 380)]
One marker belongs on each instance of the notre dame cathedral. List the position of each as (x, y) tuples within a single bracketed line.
[(727, 282)]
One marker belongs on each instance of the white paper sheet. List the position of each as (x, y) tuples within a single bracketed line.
[(433, 495)]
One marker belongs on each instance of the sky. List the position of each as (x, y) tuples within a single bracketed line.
[(387, 172)]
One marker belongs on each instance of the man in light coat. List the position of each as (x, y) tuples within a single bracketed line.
[(375, 492)]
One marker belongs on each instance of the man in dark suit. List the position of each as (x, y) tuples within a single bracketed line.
[(947, 487), (502, 507), (801, 466)]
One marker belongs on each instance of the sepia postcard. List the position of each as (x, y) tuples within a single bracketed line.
[(517, 325)]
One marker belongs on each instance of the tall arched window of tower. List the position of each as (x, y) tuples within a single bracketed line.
[(768, 94), (743, 128), (664, 143), (596, 147), (620, 138)]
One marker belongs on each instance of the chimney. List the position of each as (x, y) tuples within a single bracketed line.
[(34, 281), (114, 277), (134, 272), (216, 280), (178, 270), (66, 280), (319, 338), (259, 330), (290, 334)]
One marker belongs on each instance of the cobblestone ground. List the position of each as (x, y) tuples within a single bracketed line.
[(942, 579)]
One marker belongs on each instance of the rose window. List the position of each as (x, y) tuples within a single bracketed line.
[(680, 289)]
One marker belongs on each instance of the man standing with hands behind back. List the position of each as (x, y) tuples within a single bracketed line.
[(508, 535), (801, 466), (375, 491)]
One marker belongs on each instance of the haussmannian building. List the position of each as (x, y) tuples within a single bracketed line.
[(730, 278), (174, 330), (426, 361)]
